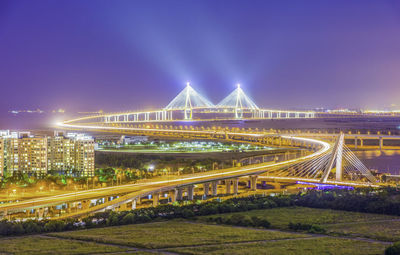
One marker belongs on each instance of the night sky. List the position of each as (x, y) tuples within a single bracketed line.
[(120, 55)]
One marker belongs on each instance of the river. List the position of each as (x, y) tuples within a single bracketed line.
[(386, 161)]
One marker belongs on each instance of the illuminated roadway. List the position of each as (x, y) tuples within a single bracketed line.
[(147, 187), (129, 192)]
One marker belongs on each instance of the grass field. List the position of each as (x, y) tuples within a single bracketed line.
[(174, 234), (379, 230), (375, 226), (185, 237), (280, 217), (46, 245), (317, 246)]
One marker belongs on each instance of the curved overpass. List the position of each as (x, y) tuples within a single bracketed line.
[(131, 192)]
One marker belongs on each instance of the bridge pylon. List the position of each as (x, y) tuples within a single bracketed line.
[(238, 101), (187, 100), (336, 157), (342, 158)]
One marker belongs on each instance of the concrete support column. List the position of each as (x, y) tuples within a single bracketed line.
[(172, 195), (355, 142), (228, 186), (206, 188), (85, 204), (235, 186), (190, 192), (156, 199), (253, 182), (380, 143), (40, 213), (178, 194), (214, 188), (134, 204), (123, 207)]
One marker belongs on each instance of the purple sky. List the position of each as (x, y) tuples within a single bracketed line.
[(119, 55)]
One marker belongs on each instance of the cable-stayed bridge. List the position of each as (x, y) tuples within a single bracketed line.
[(323, 162), (326, 161), (338, 163), (190, 105)]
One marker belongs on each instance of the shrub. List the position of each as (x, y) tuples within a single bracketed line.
[(258, 222), (236, 219), (394, 249), (112, 220), (18, 229), (299, 226), (128, 219), (186, 213), (316, 229), (31, 227), (54, 226)]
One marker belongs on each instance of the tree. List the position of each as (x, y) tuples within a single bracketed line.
[(394, 249)]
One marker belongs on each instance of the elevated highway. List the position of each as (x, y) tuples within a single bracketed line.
[(312, 167), (128, 193)]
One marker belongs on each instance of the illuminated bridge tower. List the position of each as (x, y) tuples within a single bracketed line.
[(343, 160), (238, 101), (187, 100)]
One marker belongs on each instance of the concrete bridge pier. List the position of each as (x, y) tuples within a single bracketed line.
[(253, 182), (5, 214), (178, 194), (214, 188), (134, 201), (206, 188), (380, 143), (85, 204), (156, 199), (40, 213), (228, 186), (190, 192), (172, 196), (235, 186)]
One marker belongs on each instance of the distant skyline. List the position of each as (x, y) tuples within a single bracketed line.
[(119, 55)]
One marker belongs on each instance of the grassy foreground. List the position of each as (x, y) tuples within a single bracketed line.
[(174, 234), (368, 225), (313, 246), (184, 237), (198, 237), (280, 217), (46, 245)]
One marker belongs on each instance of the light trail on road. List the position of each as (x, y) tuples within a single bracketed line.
[(107, 191)]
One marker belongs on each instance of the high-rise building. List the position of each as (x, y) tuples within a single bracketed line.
[(28, 154), (84, 154), (1, 156), (32, 155)]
